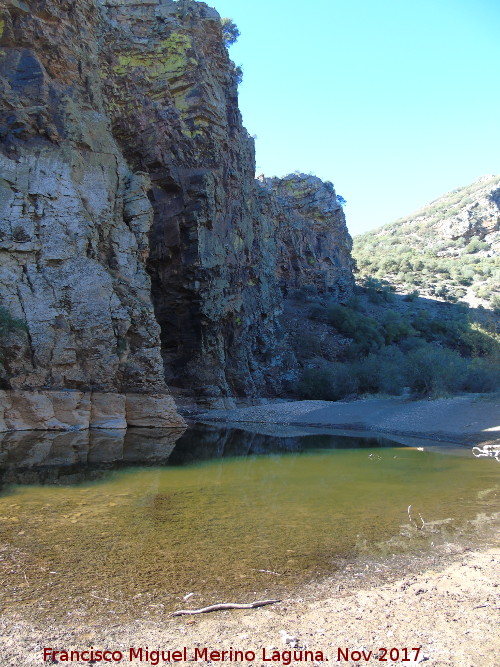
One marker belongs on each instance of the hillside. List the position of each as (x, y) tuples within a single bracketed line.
[(425, 315), (447, 250)]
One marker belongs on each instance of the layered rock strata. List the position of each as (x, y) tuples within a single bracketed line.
[(75, 410), (219, 237), (313, 245), (134, 240)]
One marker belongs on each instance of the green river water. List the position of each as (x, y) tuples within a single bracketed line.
[(220, 513)]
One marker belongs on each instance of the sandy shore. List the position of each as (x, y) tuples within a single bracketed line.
[(446, 615), (469, 419)]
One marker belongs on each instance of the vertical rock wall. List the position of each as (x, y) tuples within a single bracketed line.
[(74, 223), (313, 245), (219, 238), (134, 239)]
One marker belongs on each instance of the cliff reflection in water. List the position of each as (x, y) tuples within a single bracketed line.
[(41, 457), (44, 457)]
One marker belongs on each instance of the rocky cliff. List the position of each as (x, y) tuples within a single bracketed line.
[(135, 242)]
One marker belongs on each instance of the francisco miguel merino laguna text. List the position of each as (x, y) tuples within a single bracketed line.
[(155, 657)]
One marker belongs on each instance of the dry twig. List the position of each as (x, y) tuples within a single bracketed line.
[(414, 522), (224, 605)]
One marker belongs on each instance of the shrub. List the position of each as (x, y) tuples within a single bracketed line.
[(9, 323), (230, 32), (411, 296), (495, 304), (328, 383), (355, 303), (474, 341), (483, 375), (411, 343), (365, 331), (396, 327), (475, 245), (378, 290), (382, 372), (238, 74), (434, 371)]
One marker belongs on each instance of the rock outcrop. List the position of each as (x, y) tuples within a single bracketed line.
[(135, 242), (74, 223), (313, 245)]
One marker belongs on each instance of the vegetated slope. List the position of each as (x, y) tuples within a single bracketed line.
[(410, 328), (446, 250), (387, 343)]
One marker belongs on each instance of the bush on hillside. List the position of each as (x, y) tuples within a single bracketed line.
[(366, 332), (396, 327), (411, 296), (382, 372), (427, 370), (475, 245), (434, 371), (483, 375), (378, 290), (495, 304)]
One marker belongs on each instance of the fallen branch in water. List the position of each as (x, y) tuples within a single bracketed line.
[(224, 605)]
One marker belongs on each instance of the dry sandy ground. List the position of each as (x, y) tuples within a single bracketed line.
[(467, 419), (445, 615)]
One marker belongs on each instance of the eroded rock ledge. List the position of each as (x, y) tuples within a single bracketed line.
[(78, 410)]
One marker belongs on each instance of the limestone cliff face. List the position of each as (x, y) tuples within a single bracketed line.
[(134, 239)]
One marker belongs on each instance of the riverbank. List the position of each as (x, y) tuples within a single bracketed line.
[(445, 614), (467, 420)]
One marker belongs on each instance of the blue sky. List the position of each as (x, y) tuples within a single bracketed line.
[(396, 102)]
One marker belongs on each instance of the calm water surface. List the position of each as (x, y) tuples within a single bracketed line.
[(149, 516)]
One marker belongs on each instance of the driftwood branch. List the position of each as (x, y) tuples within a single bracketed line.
[(414, 522), (224, 605)]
